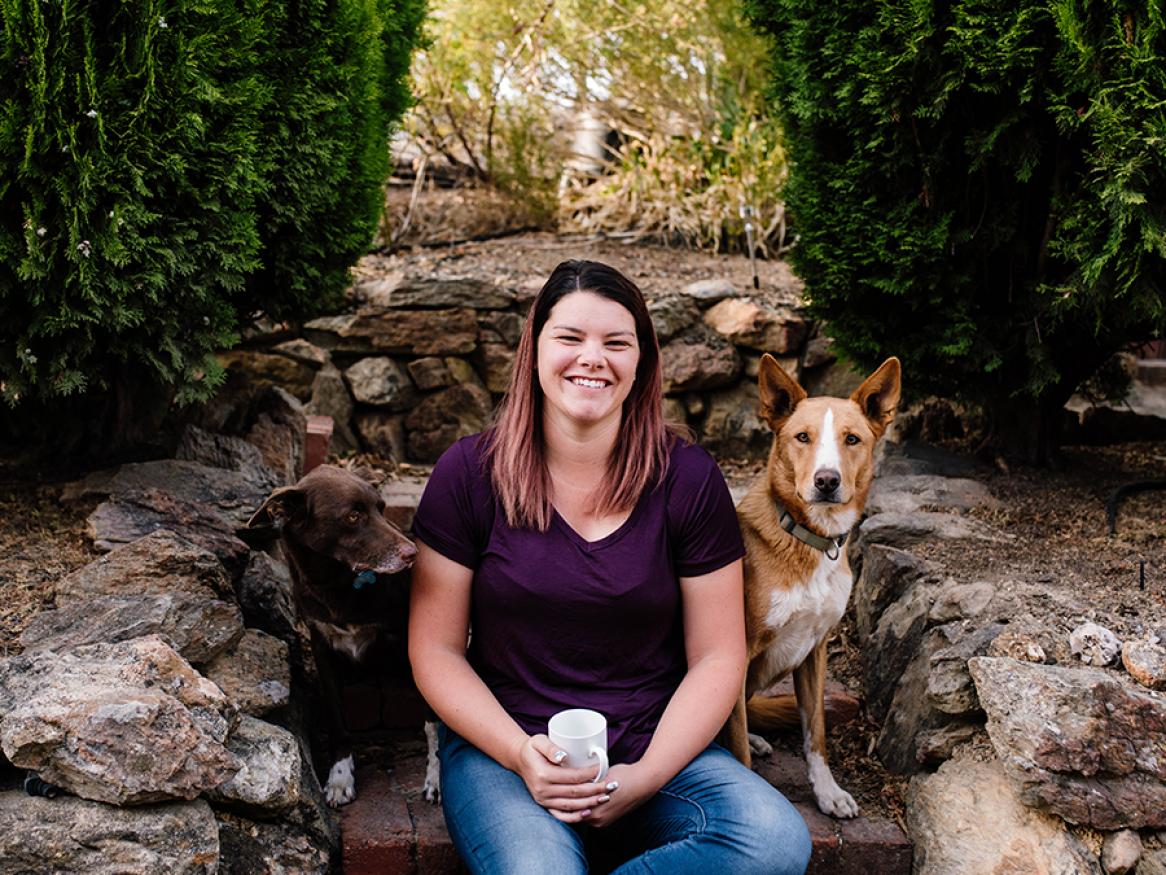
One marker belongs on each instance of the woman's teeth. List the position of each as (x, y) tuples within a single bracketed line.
[(590, 384)]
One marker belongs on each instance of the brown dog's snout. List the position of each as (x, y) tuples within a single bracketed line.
[(408, 553), (826, 481)]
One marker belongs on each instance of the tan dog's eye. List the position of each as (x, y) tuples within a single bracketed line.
[(802, 437), (852, 439)]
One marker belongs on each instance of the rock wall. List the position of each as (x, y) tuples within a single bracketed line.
[(1051, 752), (158, 693), (419, 362)]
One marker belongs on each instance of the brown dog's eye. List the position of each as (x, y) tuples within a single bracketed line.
[(353, 518), (802, 437), (852, 439)]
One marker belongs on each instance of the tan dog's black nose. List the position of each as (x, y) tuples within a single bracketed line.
[(826, 480)]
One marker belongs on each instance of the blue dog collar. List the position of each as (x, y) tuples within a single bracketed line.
[(365, 578)]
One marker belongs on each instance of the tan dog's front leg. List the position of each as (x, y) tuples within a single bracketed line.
[(810, 686), (736, 733)]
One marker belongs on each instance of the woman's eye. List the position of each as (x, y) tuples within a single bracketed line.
[(802, 437), (852, 439)]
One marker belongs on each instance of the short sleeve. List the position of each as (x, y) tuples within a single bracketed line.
[(702, 522), (455, 512)]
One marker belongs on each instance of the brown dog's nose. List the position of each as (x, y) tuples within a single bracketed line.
[(826, 480), (408, 553)]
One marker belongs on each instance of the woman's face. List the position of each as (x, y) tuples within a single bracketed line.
[(587, 359)]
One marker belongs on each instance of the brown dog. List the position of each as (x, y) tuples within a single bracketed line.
[(795, 520), (350, 584)]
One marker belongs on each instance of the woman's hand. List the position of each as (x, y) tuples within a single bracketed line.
[(631, 790), (568, 794)]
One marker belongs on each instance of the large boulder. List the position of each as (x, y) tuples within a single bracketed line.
[(73, 835), (441, 419), (258, 847), (135, 514), (447, 331), (125, 723), (268, 783), (330, 397), (1083, 743), (161, 563), (198, 627), (896, 529), (254, 673), (906, 493), (381, 382), (732, 428), (964, 820), (698, 359), (886, 574), (235, 494), (398, 292), (225, 451), (774, 329)]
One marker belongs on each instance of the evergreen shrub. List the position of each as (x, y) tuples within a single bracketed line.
[(168, 170), (979, 187)]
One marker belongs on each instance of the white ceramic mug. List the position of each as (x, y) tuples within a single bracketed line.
[(582, 733)]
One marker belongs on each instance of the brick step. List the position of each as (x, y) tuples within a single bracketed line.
[(1152, 372), (391, 830)]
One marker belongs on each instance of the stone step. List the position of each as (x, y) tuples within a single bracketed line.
[(391, 830)]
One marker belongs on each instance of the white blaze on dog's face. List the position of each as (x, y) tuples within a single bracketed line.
[(822, 461)]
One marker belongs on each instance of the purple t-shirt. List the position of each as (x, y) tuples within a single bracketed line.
[(559, 622)]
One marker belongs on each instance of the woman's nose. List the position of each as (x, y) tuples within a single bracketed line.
[(591, 354)]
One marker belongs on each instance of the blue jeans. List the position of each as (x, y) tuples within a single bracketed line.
[(715, 816)]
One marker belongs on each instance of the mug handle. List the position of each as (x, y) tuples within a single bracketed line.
[(600, 754)]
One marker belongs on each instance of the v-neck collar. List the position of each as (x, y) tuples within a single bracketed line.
[(608, 539)]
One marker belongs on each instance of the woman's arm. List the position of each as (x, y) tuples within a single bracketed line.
[(439, 619), (714, 639)]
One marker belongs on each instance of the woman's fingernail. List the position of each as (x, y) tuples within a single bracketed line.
[(560, 756), (612, 785), (585, 813), (604, 798)]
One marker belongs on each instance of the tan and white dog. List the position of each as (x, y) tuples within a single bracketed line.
[(795, 520)]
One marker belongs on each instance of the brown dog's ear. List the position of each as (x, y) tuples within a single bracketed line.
[(286, 504), (367, 474), (779, 392), (878, 396)]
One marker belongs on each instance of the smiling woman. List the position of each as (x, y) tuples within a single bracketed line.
[(598, 560)]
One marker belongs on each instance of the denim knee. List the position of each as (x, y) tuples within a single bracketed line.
[(529, 846), (780, 841)]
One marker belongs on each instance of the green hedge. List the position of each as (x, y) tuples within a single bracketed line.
[(979, 187), (171, 169)]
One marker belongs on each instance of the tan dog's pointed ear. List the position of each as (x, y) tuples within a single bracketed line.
[(284, 505), (779, 392), (878, 396)]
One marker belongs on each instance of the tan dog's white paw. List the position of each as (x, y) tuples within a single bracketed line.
[(341, 786), (759, 746), (832, 799)]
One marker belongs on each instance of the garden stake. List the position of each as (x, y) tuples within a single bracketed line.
[(747, 215)]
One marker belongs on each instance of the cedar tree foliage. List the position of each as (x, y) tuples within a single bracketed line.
[(979, 187), (169, 170)]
